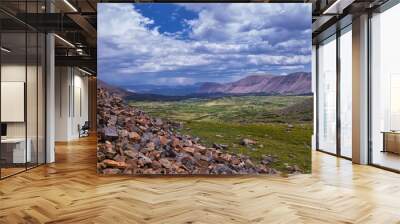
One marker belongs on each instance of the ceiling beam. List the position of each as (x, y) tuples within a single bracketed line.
[(48, 22), (320, 23), (337, 7), (79, 61), (84, 24)]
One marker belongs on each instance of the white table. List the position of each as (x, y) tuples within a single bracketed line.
[(19, 153)]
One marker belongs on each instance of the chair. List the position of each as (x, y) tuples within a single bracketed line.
[(84, 130)]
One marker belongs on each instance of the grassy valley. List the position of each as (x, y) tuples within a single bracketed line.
[(280, 125)]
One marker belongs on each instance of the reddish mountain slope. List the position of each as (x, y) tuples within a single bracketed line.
[(111, 89), (292, 84)]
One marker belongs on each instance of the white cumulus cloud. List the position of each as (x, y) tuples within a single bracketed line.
[(225, 38)]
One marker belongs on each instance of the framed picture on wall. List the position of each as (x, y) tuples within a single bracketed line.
[(12, 101)]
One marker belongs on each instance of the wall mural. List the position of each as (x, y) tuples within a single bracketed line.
[(204, 89)]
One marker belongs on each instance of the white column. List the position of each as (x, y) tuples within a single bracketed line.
[(50, 91), (314, 91), (50, 108), (360, 90), (50, 101)]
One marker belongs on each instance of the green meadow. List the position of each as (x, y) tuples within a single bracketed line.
[(281, 125)]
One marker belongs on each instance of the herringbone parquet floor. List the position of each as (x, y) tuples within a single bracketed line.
[(70, 191)]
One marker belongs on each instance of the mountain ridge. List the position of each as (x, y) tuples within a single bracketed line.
[(298, 83), (291, 84)]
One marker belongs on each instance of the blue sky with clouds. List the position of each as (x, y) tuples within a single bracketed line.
[(180, 44)]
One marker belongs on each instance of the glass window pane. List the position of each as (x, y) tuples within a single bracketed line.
[(32, 87), (31, 97), (327, 96), (346, 94), (385, 87), (41, 98), (23, 90), (13, 86)]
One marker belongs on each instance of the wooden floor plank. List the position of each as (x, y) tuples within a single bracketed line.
[(70, 191)]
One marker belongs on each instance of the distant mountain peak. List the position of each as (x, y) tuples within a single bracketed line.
[(298, 83)]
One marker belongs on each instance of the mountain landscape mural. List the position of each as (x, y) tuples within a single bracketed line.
[(204, 89)]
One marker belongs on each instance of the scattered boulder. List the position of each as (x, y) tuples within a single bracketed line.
[(220, 146), (292, 169), (249, 163), (247, 142), (268, 159), (111, 171), (155, 164), (134, 136), (144, 160), (114, 164), (110, 133), (100, 156), (131, 153), (163, 140), (165, 163), (189, 150)]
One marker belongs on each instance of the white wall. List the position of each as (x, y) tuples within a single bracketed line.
[(62, 81), (17, 73), (80, 105), (71, 102), (12, 73)]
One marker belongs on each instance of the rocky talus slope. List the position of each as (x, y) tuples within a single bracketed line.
[(132, 142)]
